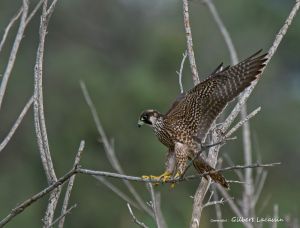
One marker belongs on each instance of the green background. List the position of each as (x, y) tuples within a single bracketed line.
[(127, 52)]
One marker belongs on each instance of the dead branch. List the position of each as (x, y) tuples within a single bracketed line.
[(16, 124), (155, 203), (22, 206), (179, 73), (109, 150), (172, 180), (14, 50), (8, 27), (189, 42), (68, 211), (70, 186), (135, 220), (117, 191), (39, 117)]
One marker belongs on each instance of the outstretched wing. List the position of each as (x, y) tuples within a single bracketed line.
[(197, 110)]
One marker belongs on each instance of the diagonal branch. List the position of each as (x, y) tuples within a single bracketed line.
[(109, 150), (14, 50), (16, 124), (134, 218), (9, 26)]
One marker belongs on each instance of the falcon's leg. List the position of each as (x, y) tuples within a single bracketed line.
[(181, 154), (170, 166)]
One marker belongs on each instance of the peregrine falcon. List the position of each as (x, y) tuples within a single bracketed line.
[(193, 113)]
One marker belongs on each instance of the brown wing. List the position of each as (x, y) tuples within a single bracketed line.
[(200, 107)]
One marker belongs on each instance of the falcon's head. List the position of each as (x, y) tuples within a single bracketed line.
[(149, 117)]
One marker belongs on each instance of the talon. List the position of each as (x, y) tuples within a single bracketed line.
[(177, 176), (164, 177)]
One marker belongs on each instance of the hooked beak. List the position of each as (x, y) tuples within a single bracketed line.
[(140, 123)]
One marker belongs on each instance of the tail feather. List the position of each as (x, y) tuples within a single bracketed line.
[(202, 167)]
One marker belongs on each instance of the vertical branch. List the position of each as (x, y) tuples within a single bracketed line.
[(14, 51), (155, 199), (39, 119), (70, 186), (189, 42), (184, 55)]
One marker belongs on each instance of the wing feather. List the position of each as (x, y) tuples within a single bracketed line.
[(197, 110)]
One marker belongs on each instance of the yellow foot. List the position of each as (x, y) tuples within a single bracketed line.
[(164, 177)]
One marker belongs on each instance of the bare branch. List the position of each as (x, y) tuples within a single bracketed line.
[(109, 150), (243, 121), (8, 27), (232, 204), (134, 218), (32, 14), (223, 30), (189, 42), (39, 119), (155, 199), (63, 215), (172, 180), (117, 191), (16, 124), (215, 202), (230, 162), (184, 55), (218, 209), (14, 51), (21, 207), (259, 187), (275, 215), (70, 186)]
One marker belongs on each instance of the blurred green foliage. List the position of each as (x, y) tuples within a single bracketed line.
[(127, 52)]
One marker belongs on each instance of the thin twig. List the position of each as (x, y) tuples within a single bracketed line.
[(231, 203), (259, 187), (237, 171), (14, 51), (224, 32), (155, 199), (275, 215), (184, 55), (117, 191), (189, 42), (64, 214), (22, 206), (16, 124), (242, 122), (70, 186), (135, 220), (218, 209), (109, 150), (215, 202), (9, 26), (32, 14)]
